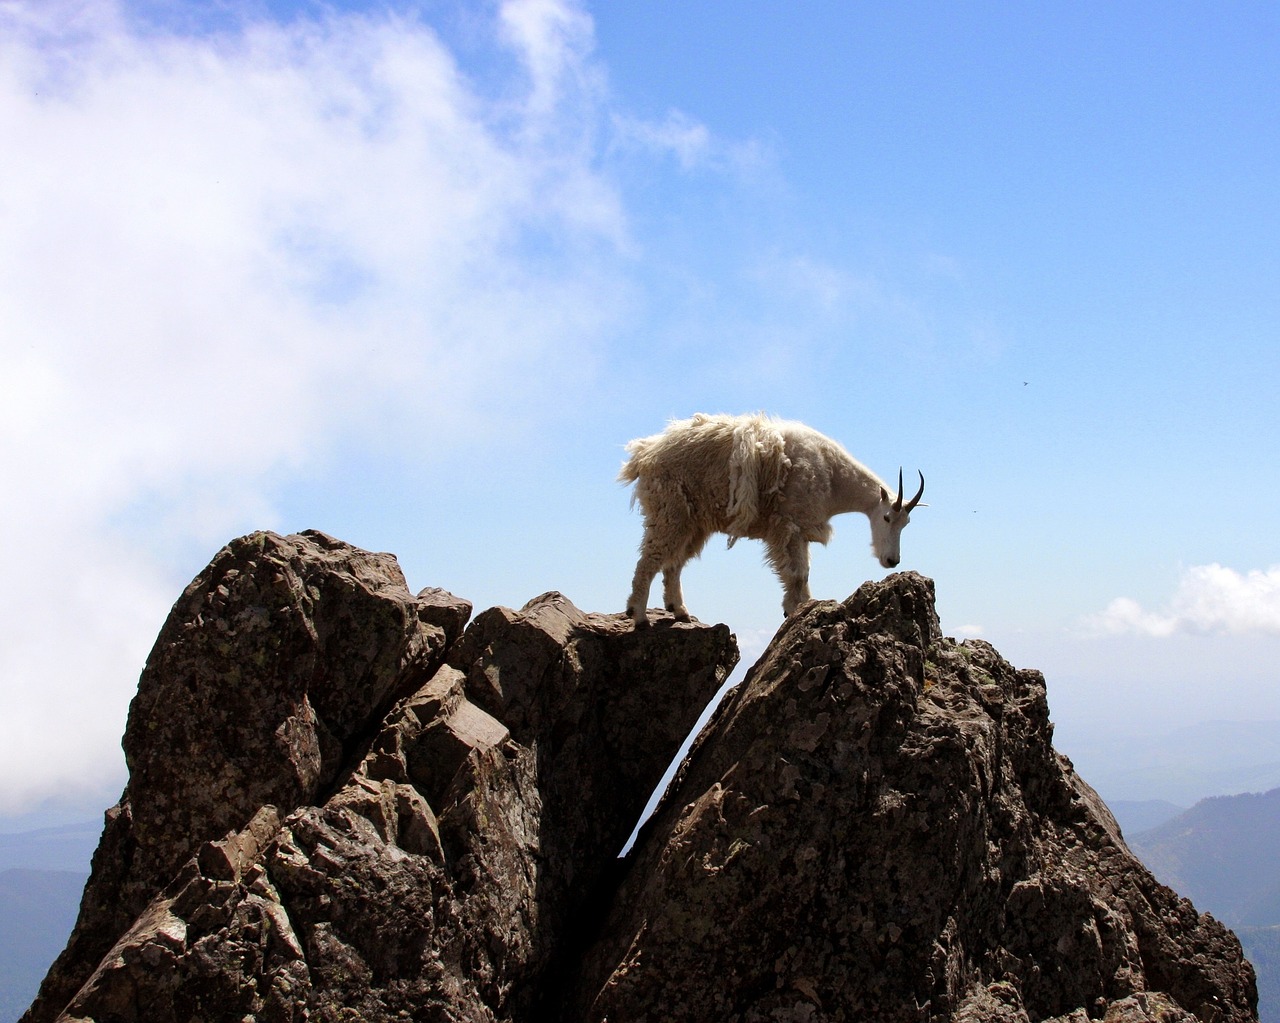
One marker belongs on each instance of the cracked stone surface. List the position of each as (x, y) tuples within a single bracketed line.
[(347, 803)]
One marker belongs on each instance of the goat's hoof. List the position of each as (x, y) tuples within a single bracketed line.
[(681, 613), (640, 620)]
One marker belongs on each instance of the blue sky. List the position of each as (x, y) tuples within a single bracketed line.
[(413, 273)]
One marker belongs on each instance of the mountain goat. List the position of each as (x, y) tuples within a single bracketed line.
[(753, 476)]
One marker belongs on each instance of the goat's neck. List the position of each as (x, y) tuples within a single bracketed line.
[(854, 487)]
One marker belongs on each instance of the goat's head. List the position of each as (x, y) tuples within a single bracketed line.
[(887, 519)]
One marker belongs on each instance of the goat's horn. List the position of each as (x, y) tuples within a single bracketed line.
[(919, 493), (897, 505)]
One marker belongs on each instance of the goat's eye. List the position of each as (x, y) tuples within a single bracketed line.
[(886, 518)]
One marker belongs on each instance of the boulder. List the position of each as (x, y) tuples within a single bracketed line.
[(875, 826), (324, 820), (274, 665)]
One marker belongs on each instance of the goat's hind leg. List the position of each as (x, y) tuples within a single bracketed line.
[(646, 568), (652, 558), (657, 553)]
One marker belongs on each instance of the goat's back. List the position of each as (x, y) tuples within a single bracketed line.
[(721, 467)]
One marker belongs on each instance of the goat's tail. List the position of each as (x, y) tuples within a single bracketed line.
[(630, 471)]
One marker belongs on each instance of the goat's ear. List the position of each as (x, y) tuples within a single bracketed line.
[(884, 494)]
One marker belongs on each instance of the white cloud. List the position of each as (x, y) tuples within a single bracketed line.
[(687, 140), (692, 144), (1125, 615), (222, 256), (1208, 599), (552, 37)]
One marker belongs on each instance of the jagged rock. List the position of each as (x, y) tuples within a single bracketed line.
[(341, 808), (596, 699), (435, 865), (276, 662), (875, 826)]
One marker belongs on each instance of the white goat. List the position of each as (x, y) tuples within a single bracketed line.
[(753, 476)]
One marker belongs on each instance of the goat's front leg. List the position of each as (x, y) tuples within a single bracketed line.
[(790, 561)]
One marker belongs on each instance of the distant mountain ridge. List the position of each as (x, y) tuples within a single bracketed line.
[(37, 911), (1138, 815), (42, 875), (1262, 947), (66, 847), (1223, 854)]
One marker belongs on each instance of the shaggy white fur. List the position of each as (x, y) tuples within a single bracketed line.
[(753, 476)]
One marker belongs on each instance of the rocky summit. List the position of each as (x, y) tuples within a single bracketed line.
[(347, 803)]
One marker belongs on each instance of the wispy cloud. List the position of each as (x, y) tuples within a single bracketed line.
[(822, 286), (552, 38), (1208, 599), (692, 144)]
